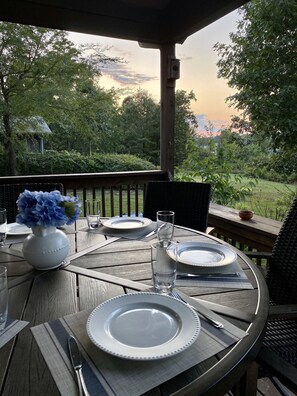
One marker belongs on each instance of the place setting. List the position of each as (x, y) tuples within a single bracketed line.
[(129, 227), (130, 343), (134, 342), (200, 263), (209, 265), (11, 233)]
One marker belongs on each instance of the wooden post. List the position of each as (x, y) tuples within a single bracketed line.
[(169, 73)]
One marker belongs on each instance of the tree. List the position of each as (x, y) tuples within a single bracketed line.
[(261, 64), (140, 126), (185, 124), (89, 125), (43, 74)]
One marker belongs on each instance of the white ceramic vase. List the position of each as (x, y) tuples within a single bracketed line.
[(46, 247)]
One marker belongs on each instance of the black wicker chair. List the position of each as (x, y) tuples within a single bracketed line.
[(190, 202), (278, 356), (9, 194)]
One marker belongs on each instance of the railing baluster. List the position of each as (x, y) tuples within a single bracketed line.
[(121, 200), (84, 201), (136, 198), (103, 206), (129, 199), (112, 201)]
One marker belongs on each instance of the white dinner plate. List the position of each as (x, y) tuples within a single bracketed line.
[(143, 326), (196, 257), (18, 229), (127, 223)]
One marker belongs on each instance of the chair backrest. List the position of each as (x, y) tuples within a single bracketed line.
[(189, 200), (9, 194), (282, 273)]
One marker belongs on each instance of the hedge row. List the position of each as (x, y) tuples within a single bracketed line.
[(53, 162)]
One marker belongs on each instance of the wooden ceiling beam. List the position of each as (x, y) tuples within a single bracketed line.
[(186, 19), (147, 21), (133, 27)]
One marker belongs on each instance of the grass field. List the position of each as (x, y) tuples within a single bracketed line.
[(269, 199)]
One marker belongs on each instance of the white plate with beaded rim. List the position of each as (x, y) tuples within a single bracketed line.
[(143, 326), (127, 223), (199, 257), (17, 229)]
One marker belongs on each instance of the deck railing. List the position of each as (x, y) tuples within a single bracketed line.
[(258, 234), (122, 193)]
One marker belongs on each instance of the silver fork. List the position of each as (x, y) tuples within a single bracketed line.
[(215, 323)]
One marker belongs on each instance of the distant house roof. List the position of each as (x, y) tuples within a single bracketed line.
[(41, 127), (35, 125)]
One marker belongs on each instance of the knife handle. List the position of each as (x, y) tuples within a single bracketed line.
[(82, 383), (79, 383)]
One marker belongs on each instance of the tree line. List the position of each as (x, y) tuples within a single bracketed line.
[(44, 74)]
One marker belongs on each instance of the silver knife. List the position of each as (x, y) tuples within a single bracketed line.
[(154, 231), (77, 365), (201, 276), (150, 233)]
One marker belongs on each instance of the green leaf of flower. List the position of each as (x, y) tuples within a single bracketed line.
[(69, 208)]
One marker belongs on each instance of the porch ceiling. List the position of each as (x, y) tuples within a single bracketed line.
[(149, 21)]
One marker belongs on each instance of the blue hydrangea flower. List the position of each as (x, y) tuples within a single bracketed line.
[(46, 209)]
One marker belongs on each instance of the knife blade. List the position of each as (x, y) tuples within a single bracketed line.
[(155, 231), (150, 233), (76, 361)]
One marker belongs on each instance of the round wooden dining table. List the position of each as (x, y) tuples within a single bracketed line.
[(100, 268)]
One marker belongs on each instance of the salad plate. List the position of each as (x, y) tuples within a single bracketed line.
[(143, 326), (127, 223)]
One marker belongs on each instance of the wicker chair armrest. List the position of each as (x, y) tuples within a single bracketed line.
[(286, 311)]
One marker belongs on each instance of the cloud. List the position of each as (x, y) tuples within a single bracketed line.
[(124, 75)]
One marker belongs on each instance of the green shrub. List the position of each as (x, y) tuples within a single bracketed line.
[(54, 162)]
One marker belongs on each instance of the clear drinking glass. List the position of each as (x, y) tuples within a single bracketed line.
[(165, 225), (93, 213), (3, 226), (163, 260), (3, 297)]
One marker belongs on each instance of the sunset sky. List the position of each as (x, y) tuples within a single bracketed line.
[(198, 69)]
